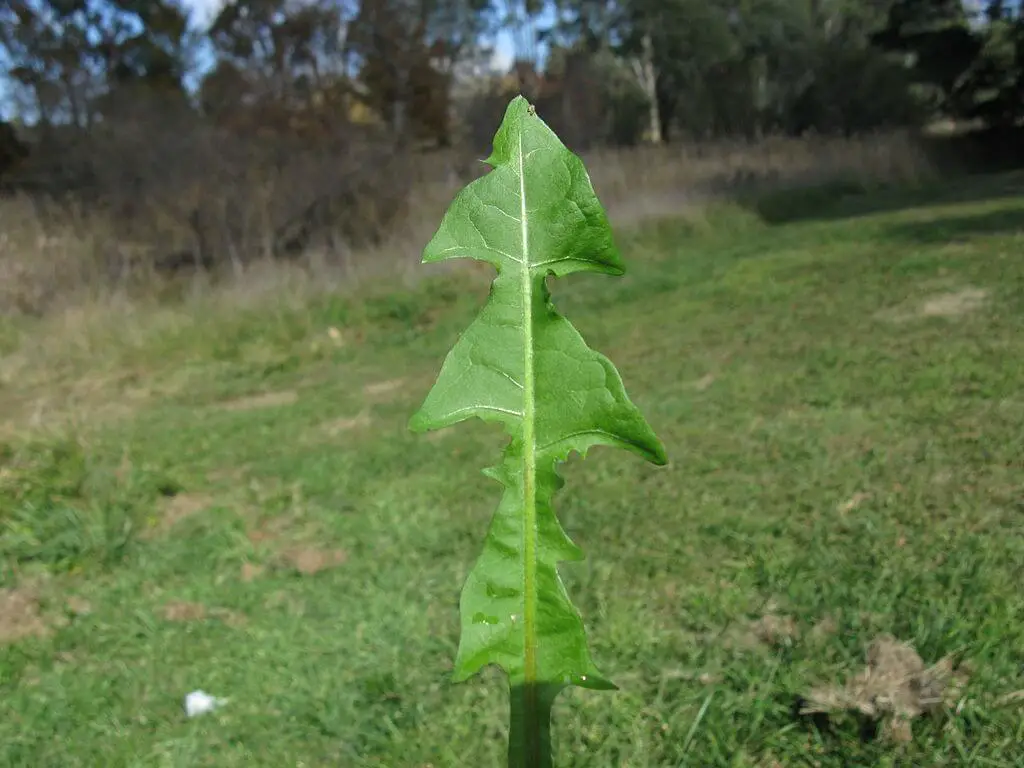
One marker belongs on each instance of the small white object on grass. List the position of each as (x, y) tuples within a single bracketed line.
[(200, 702)]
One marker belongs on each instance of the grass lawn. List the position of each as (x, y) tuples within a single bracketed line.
[(237, 506)]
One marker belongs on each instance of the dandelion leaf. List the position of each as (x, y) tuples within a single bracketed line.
[(533, 216)]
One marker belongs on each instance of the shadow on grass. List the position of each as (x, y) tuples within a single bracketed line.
[(848, 200), (955, 229), (973, 167)]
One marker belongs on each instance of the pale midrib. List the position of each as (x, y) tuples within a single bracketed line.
[(529, 446)]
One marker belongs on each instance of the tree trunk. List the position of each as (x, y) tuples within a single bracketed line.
[(647, 77)]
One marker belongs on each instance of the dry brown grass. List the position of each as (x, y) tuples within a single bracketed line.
[(650, 182), (950, 304), (49, 263), (91, 329), (20, 615)]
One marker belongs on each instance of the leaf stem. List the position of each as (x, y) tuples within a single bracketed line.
[(529, 742), (532, 720)]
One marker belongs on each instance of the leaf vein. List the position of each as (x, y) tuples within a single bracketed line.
[(468, 251), (496, 408), (581, 433), (498, 208)]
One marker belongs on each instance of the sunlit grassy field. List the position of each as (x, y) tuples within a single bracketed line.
[(230, 501)]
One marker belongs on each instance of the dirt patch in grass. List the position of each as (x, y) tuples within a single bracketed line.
[(260, 536), (176, 508), (382, 388), (894, 688), (949, 304), (340, 426), (184, 611), (51, 408), (704, 382), (263, 400), (78, 606), (272, 529), (823, 630), (20, 615), (775, 630), (250, 572), (334, 429), (310, 560), (769, 631), (954, 304)]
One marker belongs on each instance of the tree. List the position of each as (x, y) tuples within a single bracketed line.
[(745, 67), (67, 57), (997, 78), (276, 52), (12, 149), (407, 51), (937, 40), (970, 67)]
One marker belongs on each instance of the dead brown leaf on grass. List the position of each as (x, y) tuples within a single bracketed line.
[(264, 400), (895, 687), (309, 560), (20, 616)]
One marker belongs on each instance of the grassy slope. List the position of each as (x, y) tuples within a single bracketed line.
[(835, 453)]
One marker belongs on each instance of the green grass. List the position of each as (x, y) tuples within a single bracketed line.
[(836, 452)]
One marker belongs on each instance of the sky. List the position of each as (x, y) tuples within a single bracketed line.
[(203, 9)]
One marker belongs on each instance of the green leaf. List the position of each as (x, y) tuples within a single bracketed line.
[(522, 364)]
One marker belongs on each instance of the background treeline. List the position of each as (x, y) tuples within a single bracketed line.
[(286, 125)]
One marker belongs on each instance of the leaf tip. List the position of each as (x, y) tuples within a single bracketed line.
[(659, 457), (594, 682), (417, 423)]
